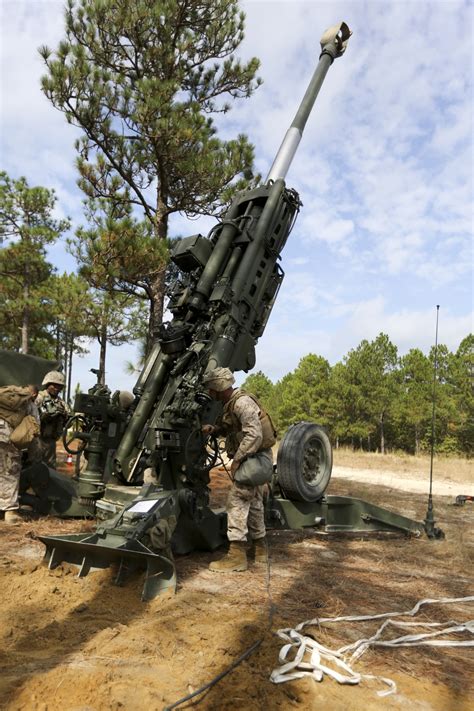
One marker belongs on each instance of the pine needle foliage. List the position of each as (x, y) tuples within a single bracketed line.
[(142, 81)]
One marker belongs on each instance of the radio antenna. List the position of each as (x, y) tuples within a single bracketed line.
[(430, 528)]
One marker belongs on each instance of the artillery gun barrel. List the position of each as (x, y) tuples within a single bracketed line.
[(333, 44)]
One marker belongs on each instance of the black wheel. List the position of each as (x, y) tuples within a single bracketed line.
[(304, 462), (75, 426)]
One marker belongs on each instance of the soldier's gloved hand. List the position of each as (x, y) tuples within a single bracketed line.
[(208, 429)]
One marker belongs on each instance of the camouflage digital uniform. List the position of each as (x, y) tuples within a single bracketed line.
[(10, 468), (245, 508), (53, 415)]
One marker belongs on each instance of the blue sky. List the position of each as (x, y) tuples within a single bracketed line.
[(384, 170)]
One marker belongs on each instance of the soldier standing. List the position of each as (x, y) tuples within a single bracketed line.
[(53, 414), (250, 436), (15, 404)]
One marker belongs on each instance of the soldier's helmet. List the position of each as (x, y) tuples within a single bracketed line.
[(54, 377), (218, 379)]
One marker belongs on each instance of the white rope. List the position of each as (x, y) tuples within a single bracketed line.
[(320, 656)]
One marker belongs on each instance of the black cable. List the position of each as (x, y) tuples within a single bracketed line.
[(242, 657), (216, 679), (221, 461)]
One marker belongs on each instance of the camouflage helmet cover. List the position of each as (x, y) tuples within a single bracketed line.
[(218, 379), (125, 399), (53, 377)]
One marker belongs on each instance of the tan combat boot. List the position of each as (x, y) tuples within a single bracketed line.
[(260, 550), (12, 517), (234, 562)]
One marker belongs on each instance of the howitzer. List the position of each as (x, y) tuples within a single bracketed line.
[(147, 475)]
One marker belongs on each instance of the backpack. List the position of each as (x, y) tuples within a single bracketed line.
[(13, 403), (25, 432)]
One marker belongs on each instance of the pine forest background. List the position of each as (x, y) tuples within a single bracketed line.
[(375, 400)]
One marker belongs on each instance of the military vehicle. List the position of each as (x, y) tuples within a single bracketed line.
[(147, 474)]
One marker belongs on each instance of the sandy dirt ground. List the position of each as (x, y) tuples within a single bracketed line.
[(405, 482), (83, 644)]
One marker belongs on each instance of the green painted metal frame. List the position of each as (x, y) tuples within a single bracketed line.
[(338, 514)]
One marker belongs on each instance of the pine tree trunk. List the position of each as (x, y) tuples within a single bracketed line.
[(103, 351), (71, 348), (25, 322), (417, 441), (157, 287), (58, 342), (382, 434), (65, 361)]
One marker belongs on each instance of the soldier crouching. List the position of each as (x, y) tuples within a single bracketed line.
[(250, 436)]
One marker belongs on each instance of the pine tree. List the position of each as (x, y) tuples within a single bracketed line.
[(113, 319), (259, 385), (370, 370), (142, 80), (27, 226), (338, 405), (69, 297), (119, 254), (413, 405), (303, 394), (462, 381), (447, 414)]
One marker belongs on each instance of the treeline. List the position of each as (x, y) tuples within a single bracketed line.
[(43, 312), (377, 401)]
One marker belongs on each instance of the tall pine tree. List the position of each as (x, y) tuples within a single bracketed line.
[(142, 80), (27, 226)]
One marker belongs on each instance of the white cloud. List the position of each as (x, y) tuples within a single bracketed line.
[(407, 327)]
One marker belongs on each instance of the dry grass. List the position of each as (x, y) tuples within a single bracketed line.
[(453, 468)]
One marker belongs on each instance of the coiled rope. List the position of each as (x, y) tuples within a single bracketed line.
[(311, 658)]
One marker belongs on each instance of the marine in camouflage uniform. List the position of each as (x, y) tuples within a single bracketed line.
[(10, 455), (249, 433), (10, 468), (53, 414)]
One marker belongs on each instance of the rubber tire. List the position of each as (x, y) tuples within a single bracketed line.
[(301, 443)]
